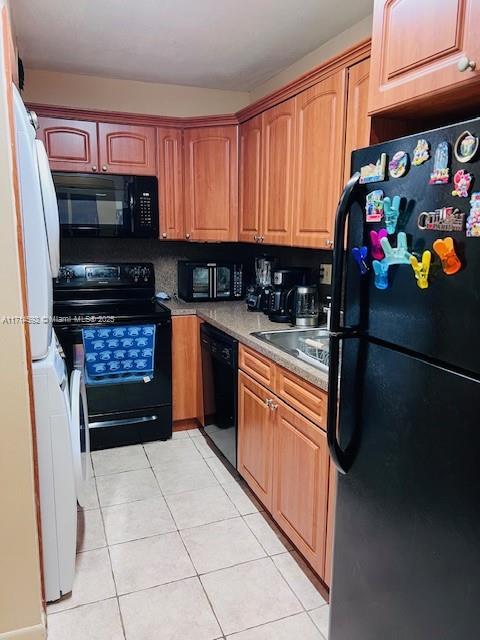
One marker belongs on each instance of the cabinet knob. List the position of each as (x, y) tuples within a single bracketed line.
[(329, 243), (104, 167), (94, 168), (164, 235), (255, 238), (465, 64), (187, 236), (261, 238)]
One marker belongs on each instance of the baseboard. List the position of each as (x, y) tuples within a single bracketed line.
[(37, 632), (185, 425)]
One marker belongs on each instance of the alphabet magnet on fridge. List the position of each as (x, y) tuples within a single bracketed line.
[(374, 172), (445, 250), (360, 256), (441, 164), (374, 206)]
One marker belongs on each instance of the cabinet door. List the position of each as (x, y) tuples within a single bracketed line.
[(170, 183), (300, 484), (278, 133), (71, 144), (416, 47), (357, 134), (127, 149), (185, 367), (211, 183), (318, 161), (250, 136), (255, 438)]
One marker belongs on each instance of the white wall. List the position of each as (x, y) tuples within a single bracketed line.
[(329, 49), (92, 92)]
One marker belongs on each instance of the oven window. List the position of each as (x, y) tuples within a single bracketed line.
[(92, 201), (223, 282), (201, 282)]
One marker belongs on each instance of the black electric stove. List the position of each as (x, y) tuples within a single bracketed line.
[(110, 325)]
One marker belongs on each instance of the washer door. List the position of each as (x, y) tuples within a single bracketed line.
[(79, 434)]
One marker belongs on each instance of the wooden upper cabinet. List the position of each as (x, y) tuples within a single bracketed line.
[(127, 149), (416, 47), (211, 183), (170, 183), (300, 485), (71, 144), (249, 204), (255, 438), (278, 132), (357, 133), (318, 161)]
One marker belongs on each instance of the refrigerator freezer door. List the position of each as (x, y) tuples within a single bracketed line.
[(441, 320), (407, 531)]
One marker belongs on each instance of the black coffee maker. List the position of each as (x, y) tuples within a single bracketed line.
[(280, 299)]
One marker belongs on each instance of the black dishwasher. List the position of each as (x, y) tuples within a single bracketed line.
[(220, 376)]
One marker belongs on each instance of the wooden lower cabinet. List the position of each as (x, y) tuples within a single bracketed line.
[(255, 438), (186, 368), (300, 483), (283, 457)]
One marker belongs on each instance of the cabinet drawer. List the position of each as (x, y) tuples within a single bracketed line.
[(259, 367), (303, 396)]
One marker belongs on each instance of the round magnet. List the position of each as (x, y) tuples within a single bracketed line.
[(398, 165), (466, 147)]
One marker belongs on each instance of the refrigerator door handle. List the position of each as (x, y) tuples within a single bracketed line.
[(338, 332)]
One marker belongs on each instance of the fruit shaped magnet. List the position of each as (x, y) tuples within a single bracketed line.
[(391, 211), (374, 172), (445, 219), (380, 270), (466, 147), (374, 206), (445, 250), (375, 240), (421, 153), (421, 269), (462, 181), (398, 165), (473, 220), (441, 170), (360, 256), (398, 254)]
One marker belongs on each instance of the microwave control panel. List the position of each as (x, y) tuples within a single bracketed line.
[(146, 209), (237, 280)]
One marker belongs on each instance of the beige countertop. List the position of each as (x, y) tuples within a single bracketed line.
[(234, 319)]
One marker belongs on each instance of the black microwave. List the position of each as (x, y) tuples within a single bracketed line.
[(107, 206), (206, 281)]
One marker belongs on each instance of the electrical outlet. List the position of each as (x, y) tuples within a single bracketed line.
[(325, 274)]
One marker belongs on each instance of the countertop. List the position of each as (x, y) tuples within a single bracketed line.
[(234, 319)]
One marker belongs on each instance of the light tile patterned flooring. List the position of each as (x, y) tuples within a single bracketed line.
[(173, 547)]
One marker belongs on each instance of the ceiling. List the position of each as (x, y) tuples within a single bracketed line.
[(221, 44)]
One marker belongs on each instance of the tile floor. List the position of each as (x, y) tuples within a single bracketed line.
[(173, 547)]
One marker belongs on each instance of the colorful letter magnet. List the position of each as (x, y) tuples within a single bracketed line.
[(398, 165), (421, 153), (381, 274), (421, 269), (375, 241), (374, 172), (360, 256), (466, 147), (445, 219), (473, 220), (391, 211), (445, 250), (374, 206), (462, 181), (398, 254), (441, 170)]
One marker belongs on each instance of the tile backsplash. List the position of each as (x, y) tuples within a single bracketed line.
[(165, 255)]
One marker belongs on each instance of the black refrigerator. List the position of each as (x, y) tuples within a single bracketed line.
[(404, 391)]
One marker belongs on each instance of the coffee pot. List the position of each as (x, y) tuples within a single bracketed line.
[(305, 307)]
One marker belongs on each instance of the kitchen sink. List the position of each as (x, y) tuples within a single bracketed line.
[(310, 345)]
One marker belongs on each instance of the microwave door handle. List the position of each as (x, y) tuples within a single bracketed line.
[(211, 276), (214, 271), (131, 206)]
